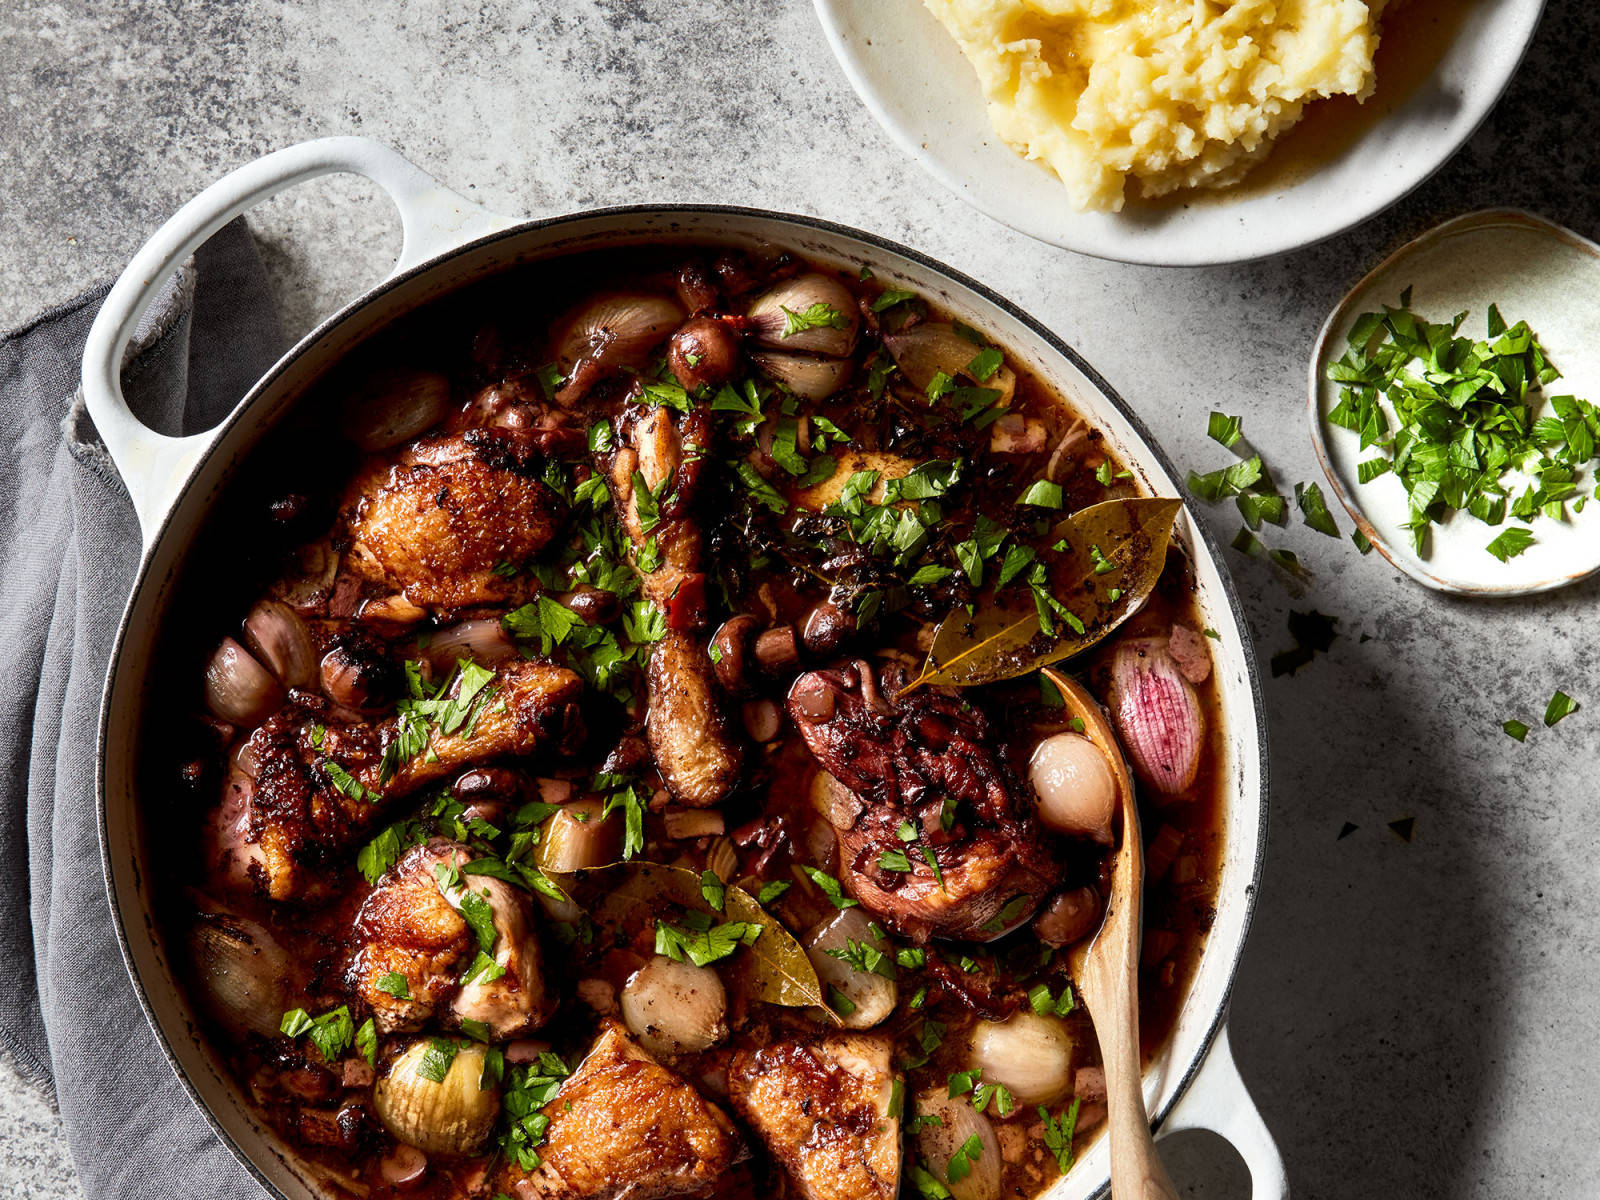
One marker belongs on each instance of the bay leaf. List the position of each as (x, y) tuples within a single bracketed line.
[(775, 969), (1002, 638)]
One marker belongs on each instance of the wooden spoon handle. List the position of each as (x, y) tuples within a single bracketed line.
[(1136, 1170)]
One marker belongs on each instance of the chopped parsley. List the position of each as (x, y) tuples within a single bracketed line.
[(347, 783), (713, 889), (1008, 915), (437, 1059), (367, 1041), (1046, 1004), (831, 887), (1042, 494), (1315, 509), (701, 942), (529, 1088), (927, 1186), (394, 984), (1561, 705), (1225, 429), (890, 297), (894, 860), (819, 315), (865, 958), (961, 1161), (770, 891), (1512, 541), (331, 1033), (1462, 428), (1058, 1133)]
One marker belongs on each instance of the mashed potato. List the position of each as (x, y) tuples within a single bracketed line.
[(1176, 93)]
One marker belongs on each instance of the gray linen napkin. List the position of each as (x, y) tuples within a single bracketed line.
[(70, 545)]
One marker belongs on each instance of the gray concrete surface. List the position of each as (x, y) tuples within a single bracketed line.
[(1416, 1018)]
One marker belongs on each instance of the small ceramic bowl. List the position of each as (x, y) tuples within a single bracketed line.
[(1534, 271), (1454, 61)]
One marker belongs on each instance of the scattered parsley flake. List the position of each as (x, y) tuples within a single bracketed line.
[(1561, 705)]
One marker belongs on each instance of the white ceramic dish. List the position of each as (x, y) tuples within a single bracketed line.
[(450, 242), (1534, 271), (912, 77)]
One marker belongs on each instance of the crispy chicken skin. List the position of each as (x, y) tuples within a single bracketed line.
[(406, 926), (437, 523), (903, 757), (540, 712), (411, 924), (822, 1108), (625, 1128), (300, 821), (688, 730), (690, 737)]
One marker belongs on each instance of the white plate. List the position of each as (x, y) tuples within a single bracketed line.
[(1534, 271), (914, 80)]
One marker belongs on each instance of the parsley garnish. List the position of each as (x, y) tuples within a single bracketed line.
[(894, 860), (1225, 429), (330, 1033), (529, 1089), (961, 1161), (1561, 705), (367, 1041), (771, 891), (1042, 494), (831, 888), (1045, 1004), (927, 1186), (889, 297), (1463, 421), (819, 315), (702, 942), (1510, 543), (1058, 1133), (713, 889), (867, 959), (1315, 509)]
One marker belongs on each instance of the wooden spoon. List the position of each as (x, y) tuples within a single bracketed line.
[(1106, 970)]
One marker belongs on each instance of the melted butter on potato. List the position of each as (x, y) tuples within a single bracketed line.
[(1175, 93)]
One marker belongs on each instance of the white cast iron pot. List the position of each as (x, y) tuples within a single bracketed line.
[(449, 242)]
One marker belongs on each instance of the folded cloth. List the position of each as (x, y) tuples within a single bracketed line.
[(70, 545)]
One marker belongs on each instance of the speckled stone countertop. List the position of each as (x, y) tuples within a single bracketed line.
[(1416, 1018)]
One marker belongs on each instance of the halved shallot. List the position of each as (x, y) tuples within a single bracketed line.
[(807, 377), (1157, 715), (242, 973), (617, 331), (238, 688), (1076, 788), (809, 312), (1032, 1055), (675, 1007), (579, 837), (280, 641), (394, 406), (842, 949), (924, 351), (945, 1132), (484, 642)]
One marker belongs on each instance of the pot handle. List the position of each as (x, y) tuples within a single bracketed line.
[(433, 220), (1218, 1100)]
